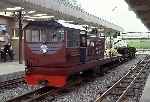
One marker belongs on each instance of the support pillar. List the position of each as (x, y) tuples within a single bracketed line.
[(20, 36)]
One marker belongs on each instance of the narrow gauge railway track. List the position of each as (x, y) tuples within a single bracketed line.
[(128, 86), (11, 83), (33, 95), (40, 94)]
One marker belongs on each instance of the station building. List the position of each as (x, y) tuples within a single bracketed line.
[(10, 25)]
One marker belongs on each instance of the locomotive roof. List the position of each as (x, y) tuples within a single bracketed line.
[(52, 23), (68, 25)]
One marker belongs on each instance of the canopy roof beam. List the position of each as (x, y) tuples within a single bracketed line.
[(60, 10), (142, 10)]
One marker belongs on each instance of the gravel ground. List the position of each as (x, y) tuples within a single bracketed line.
[(11, 76), (82, 93), (89, 91), (21, 89)]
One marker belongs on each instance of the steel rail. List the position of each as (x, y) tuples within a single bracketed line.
[(124, 93), (51, 93), (36, 98), (39, 94), (107, 92), (30, 95)]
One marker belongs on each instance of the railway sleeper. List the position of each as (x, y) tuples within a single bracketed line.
[(126, 81), (124, 84)]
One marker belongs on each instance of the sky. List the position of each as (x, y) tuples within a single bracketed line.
[(115, 11)]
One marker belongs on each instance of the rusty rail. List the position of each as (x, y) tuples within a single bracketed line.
[(120, 89)]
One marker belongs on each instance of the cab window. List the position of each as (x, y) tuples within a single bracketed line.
[(73, 38), (55, 35), (44, 35), (32, 35)]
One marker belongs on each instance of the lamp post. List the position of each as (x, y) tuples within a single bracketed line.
[(18, 13), (20, 36)]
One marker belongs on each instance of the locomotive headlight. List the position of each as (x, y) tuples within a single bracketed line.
[(44, 49)]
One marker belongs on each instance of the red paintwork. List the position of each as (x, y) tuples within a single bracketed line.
[(57, 81), (47, 59), (56, 68)]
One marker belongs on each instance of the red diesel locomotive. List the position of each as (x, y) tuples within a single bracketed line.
[(55, 50)]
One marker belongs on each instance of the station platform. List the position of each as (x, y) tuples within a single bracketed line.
[(11, 67)]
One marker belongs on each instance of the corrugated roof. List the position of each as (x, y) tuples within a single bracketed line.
[(60, 10)]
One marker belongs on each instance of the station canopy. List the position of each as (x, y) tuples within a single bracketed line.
[(55, 9), (142, 10)]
